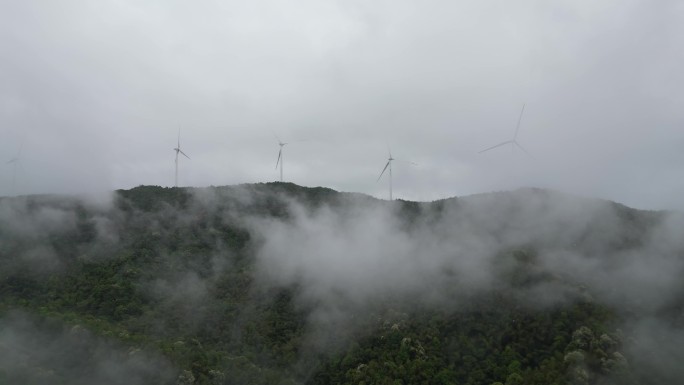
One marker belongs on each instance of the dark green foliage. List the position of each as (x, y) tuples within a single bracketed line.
[(152, 198), (179, 280), (506, 344)]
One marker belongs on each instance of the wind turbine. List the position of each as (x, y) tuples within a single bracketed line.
[(514, 141), (178, 151), (388, 165), (280, 157), (15, 162)]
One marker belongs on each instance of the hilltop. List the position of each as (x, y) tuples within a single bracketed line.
[(278, 283)]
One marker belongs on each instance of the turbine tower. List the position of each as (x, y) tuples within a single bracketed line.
[(513, 142), (388, 165), (178, 151), (280, 157)]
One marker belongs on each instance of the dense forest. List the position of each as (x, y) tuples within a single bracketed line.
[(282, 284)]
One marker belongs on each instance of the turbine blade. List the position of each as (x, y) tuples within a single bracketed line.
[(406, 162), (383, 170), (521, 147), (178, 137), (517, 128), (179, 150), (277, 137), (280, 154), (493, 147)]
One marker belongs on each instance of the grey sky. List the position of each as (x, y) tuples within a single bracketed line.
[(96, 92)]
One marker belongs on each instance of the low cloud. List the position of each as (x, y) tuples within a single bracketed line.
[(48, 352), (543, 248)]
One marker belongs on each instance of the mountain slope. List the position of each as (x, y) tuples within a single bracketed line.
[(277, 283)]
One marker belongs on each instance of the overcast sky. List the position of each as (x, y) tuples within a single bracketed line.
[(93, 93)]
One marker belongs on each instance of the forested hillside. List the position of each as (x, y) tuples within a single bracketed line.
[(281, 284)]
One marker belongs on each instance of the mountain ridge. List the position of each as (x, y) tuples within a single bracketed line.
[(288, 186)]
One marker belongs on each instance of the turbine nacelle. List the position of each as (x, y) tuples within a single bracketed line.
[(178, 150)]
